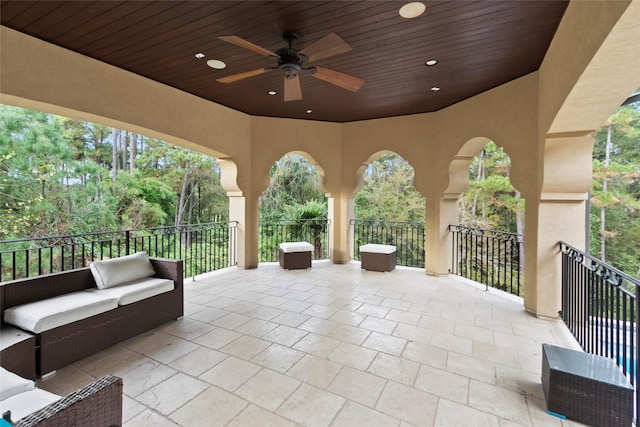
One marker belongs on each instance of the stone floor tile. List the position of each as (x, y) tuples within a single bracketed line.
[(130, 408), (217, 338), (149, 418), (385, 343), (442, 383), (231, 320), (473, 332), (452, 343), (452, 414), (198, 361), (403, 316), (351, 334), (230, 374), (109, 361), (311, 406), (285, 335), (212, 408), (394, 368), (253, 416), (352, 355), (242, 307), (357, 386), (369, 299), (268, 389), (171, 394), (472, 368), (144, 376), (291, 319), (315, 370), (208, 314), (318, 345), (524, 344), (496, 354), (373, 310), (348, 317), (256, 327), (265, 313), (413, 333), (499, 401), (379, 325), (426, 354), (320, 311), (395, 303), (296, 306), (354, 414), (278, 357), (319, 326), (408, 404), (245, 347)]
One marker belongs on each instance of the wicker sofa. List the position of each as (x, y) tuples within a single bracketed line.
[(61, 345), (97, 404)]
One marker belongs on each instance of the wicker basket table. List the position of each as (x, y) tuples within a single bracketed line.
[(378, 257), (587, 388), (18, 352), (295, 255)]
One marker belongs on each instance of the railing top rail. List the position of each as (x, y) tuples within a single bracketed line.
[(102, 233), (294, 221), (568, 249), (462, 228), (384, 221)]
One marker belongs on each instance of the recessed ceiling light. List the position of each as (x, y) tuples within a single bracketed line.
[(412, 10), (431, 62), (309, 111), (217, 64), (199, 55), (435, 88), (272, 92)]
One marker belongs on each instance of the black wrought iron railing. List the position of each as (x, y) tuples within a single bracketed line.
[(600, 307), (202, 247), (407, 237), (493, 258), (273, 232)]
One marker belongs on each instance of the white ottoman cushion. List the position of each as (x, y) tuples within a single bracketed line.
[(377, 249), (40, 316), (117, 271), (136, 291), (12, 384), (296, 247), (27, 403)]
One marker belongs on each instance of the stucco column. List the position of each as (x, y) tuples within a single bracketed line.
[(558, 215), (244, 210), (441, 212), (338, 212)]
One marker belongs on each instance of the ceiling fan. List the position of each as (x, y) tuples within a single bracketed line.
[(292, 62)]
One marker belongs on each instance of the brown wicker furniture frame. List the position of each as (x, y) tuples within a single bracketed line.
[(65, 344), (294, 260), (375, 261), (18, 353), (98, 404), (585, 387)]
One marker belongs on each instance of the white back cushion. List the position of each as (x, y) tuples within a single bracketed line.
[(137, 291), (12, 384), (116, 271)]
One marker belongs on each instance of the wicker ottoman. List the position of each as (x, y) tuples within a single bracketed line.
[(587, 388), (18, 352), (378, 257), (295, 255)]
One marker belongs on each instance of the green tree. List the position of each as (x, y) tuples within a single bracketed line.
[(388, 193)]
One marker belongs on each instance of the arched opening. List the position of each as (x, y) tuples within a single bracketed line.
[(488, 241), (293, 208), (388, 209)]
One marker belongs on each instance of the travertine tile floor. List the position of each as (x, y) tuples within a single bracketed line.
[(333, 345)]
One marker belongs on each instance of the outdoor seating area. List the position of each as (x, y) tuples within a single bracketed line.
[(334, 345), (66, 316)]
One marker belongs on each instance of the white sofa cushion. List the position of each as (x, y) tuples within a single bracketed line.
[(117, 271), (373, 248), (40, 316), (12, 384), (296, 247), (138, 290), (27, 403)]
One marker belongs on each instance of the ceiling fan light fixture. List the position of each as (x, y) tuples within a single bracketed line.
[(412, 9), (216, 64), (430, 62)]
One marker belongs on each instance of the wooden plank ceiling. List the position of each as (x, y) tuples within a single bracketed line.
[(478, 44)]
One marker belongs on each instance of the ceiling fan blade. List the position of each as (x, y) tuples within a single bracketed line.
[(292, 90), (329, 45), (247, 45), (241, 76), (337, 78)]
